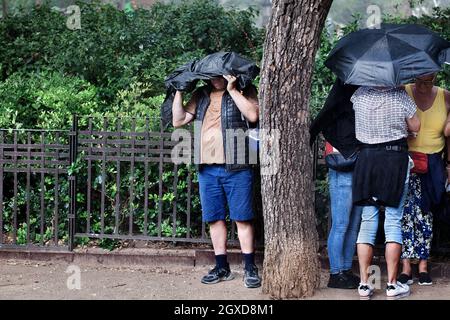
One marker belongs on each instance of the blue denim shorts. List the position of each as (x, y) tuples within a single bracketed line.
[(392, 222), (219, 188)]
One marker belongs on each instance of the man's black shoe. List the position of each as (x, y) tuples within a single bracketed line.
[(218, 274), (405, 279), (354, 278), (341, 281), (251, 277)]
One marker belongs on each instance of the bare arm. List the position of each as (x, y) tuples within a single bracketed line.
[(180, 116), (447, 122), (447, 100), (248, 106), (413, 123)]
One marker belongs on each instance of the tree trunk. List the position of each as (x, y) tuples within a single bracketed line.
[(291, 265)]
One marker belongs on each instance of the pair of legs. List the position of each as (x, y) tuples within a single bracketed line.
[(417, 228), (218, 231), (393, 236), (406, 266), (220, 189), (345, 218), (392, 254)]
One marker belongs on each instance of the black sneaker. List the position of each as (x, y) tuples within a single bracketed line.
[(405, 279), (353, 277), (251, 277), (341, 281), (218, 274), (425, 279)]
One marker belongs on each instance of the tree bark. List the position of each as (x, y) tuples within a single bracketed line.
[(291, 265)]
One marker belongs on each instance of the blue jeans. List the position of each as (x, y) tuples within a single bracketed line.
[(392, 221), (345, 221)]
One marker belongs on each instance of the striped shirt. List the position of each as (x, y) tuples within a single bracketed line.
[(380, 114)]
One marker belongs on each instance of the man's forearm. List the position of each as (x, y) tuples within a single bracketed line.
[(178, 113), (249, 109)]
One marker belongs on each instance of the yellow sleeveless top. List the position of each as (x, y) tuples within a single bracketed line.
[(430, 138)]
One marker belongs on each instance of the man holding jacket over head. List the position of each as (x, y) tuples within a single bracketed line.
[(225, 177)]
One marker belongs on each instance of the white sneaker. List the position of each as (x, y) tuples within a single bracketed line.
[(365, 290), (397, 290)]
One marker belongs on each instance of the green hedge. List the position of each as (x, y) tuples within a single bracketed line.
[(116, 64)]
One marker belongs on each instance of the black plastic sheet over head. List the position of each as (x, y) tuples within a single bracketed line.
[(186, 77)]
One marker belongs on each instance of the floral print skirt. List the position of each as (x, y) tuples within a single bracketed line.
[(417, 225)]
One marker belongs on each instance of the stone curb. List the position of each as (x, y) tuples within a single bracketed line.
[(159, 257)]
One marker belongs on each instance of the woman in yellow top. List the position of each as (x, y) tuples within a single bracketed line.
[(425, 190)]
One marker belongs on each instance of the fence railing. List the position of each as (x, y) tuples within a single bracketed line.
[(33, 164), (108, 179)]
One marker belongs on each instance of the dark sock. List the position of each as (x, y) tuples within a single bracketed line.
[(249, 260), (221, 261)]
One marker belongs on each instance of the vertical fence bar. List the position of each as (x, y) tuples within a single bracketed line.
[(104, 146), (15, 190), (2, 141), (56, 212), (28, 191), (203, 230), (132, 179), (89, 182), (175, 198), (119, 153), (161, 163), (73, 152), (188, 202), (147, 129), (42, 187), (233, 230)]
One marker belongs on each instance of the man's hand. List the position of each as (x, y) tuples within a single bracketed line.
[(231, 86), (248, 106)]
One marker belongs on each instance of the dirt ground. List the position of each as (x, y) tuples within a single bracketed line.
[(22, 279)]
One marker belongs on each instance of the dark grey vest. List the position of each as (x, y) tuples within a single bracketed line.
[(237, 155)]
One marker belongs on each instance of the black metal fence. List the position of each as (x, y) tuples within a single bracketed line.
[(110, 179), (33, 164), (133, 189)]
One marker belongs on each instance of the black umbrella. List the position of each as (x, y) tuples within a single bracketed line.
[(446, 56), (389, 56), (185, 78)]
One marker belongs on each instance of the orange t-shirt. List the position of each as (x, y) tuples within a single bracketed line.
[(211, 148), (211, 137)]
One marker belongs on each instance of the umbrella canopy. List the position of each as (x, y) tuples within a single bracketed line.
[(446, 56), (389, 56), (185, 78)]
